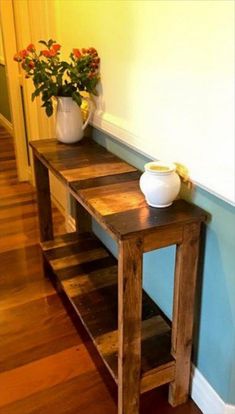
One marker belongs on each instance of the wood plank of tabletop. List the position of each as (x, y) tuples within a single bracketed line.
[(109, 189), (118, 203), (82, 161)]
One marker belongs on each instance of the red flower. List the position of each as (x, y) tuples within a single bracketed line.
[(56, 47), (92, 51), (31, 64), (52, 52), (45, 53), (49, 53), (77, 53), (84, 51), (23, 53), (96, 60), (17, 57), (31, 47)]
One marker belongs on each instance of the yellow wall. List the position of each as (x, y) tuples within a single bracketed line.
[(2, 60), (167, 77)]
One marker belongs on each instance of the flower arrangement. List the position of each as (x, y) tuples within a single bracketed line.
[(53, 77)]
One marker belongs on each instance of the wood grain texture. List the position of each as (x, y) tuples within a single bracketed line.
[(83, 219), (38, 343), (82, 161), (108, 188), (90, 283), (187, 256), (129, 325), (44, 200)]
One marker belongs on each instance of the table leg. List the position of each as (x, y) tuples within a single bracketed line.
[(44, 200), (186, 270), (83, 218), (129, 325)]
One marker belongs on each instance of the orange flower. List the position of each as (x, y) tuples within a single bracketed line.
[(30, 47), (52, 52), (49, 53), (77, 53), (53, 76), (45, 53), (56, 47), (23, 53)]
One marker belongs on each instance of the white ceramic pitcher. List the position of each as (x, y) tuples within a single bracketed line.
[(69, 122)]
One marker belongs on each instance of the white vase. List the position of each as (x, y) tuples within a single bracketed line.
[(69, 122), (160, 184)]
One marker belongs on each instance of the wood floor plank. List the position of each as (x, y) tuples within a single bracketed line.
[(84, 394), (22, 342), (44, 373)]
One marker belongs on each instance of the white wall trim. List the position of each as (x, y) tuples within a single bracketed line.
[(6, 124), (110, 124), (206, 397)]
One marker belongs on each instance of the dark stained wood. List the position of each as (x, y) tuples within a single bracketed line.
[(98, 182), (90, 283), (44, 364), (163, 237), (148, 219), (187, 256), (82, 161), (47, 368), (108, 189), (83, 219), (129, 325), (44, 200)]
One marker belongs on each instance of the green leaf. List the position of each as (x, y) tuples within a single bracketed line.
[(77, 98), (49, 108), (37, 92), (50, 43), (42, 42)]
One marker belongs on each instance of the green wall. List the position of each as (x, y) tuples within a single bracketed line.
[(214, 336), (4, 99)]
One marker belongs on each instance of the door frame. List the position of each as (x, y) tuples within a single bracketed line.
[(12, 74)]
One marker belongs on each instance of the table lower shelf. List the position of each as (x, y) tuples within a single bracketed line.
[(87, 273)]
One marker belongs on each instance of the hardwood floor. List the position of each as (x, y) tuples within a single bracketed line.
[(47, 363)]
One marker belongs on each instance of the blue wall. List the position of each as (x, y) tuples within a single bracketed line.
[(214, 337)]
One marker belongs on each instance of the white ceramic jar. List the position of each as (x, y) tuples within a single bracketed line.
[(160, 183)]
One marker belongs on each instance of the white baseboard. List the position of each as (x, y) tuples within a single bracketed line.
[(206, 397), (6, 124)]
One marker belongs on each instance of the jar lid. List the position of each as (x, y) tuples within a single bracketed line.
[(160, 167)]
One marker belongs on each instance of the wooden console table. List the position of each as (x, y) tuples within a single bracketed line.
[(135, 340)]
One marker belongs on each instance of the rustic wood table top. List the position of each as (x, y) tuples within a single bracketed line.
[(109, 188)]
